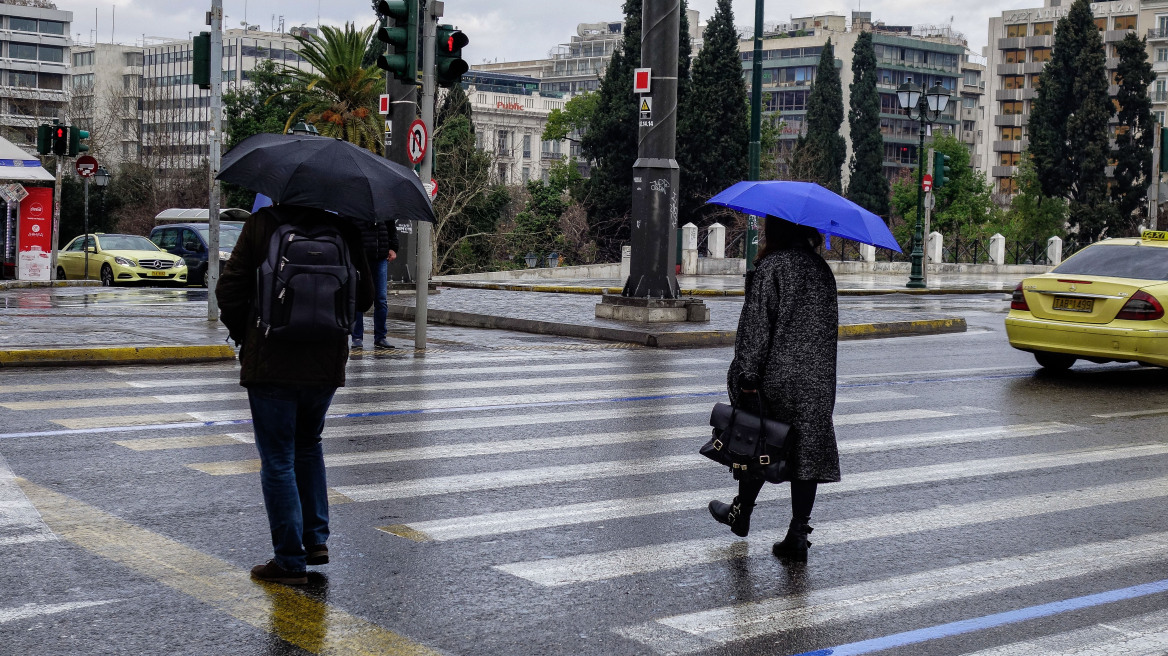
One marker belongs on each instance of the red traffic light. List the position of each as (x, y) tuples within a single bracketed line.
[(450, 43), (60, 133)]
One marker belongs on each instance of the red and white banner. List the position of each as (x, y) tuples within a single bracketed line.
[(35, 235)]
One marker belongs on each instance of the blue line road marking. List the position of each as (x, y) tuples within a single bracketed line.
[(991, 621)]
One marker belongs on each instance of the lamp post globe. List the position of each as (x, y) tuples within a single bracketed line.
[(928, 110), (303, 127), (102, 177)]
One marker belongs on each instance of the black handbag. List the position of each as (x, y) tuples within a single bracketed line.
[(747, 442)]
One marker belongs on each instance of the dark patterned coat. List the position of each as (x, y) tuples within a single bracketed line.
[(787, 339)]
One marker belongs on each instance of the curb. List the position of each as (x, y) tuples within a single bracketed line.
[(678, 339), (114, 355), (29, 284), (582, 289)]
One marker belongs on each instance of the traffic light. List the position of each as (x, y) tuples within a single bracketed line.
[(76, 134), (448, 62), (403, 36), (44, 139), (60, 140), (201, 60), (1164, 149), (940, 169)]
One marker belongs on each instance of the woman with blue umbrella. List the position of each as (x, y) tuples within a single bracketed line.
[(785, 349)]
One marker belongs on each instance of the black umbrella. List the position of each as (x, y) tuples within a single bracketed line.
[(329, 174)]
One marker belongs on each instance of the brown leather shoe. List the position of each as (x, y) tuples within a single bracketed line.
[(317, 554), (273, 573)]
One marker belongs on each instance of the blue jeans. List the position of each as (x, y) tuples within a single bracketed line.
[(380, 305), (288, 422)]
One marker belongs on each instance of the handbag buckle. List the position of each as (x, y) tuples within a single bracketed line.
[(718, 445), (764, 459)]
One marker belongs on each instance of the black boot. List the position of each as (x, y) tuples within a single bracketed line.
[(736, 515), (794, 546)]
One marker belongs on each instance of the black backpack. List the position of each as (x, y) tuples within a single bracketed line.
[(307, 285)]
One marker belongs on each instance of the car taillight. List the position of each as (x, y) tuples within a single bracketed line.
[(1018, 300), (1142, 306)]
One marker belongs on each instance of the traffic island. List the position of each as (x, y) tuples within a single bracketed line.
[(652, 310)]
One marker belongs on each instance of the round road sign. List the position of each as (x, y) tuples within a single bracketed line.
[(416, 141), (86, 166)]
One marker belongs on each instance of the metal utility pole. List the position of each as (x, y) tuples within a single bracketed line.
[(755, 130), (1154, 188), (56, 216), (85, 230), (403, 111), (431, 11), (216, 142), (655, 173)]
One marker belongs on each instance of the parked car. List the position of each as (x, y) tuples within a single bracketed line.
[(189, 241), (1105, 303), (117, 259)]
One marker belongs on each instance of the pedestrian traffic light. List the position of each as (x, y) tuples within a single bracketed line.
[(201, 60), (940, 169), (44, 139), (402, 64), (76, 134), (60, 140), (449, 65)]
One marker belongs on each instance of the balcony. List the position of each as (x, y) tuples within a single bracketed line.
[(1008, 94), (1111, 63), (969, 114), (1009, 69), (1030, 68), (1003, 171), (1011, 120), (1011, 43), (1158, 34), (1115, 36), (1008, 146), (969, 137), (1043, 41)]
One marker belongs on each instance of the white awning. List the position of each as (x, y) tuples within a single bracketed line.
[(15, 164)]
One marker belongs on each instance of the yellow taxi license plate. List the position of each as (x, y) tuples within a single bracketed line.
[(163, 273), (1074, 304)]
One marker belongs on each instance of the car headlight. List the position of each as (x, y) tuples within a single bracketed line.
[(178, 264), (125, 261), (224, 255)]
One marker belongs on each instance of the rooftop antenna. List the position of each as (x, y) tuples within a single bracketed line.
[(113, 23)]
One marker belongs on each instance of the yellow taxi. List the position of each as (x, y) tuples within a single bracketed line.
[(1105, 303), (117, 259)]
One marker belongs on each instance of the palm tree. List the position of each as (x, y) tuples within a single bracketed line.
[(340, 95)]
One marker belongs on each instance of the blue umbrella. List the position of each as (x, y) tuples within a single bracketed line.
[(809, 204)]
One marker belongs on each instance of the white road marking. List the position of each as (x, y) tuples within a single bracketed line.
[(20, 523), (36, 610), (691, 632), (580, 513), (1130, 636), (1151, 412), (638, 560)]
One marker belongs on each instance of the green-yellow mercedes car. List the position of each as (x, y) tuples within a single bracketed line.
[(117, 259)]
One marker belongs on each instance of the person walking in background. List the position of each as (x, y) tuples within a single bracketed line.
[(785, 357), (290, 382), (380, 240)]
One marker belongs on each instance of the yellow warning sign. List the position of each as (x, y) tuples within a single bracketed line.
[(646, 105)]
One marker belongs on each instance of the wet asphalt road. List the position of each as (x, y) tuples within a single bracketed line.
[(544, 496)]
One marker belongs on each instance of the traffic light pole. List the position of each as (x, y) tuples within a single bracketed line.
[(213, 163), (431, 11), (751, 246), (56, 218), (403, 110)]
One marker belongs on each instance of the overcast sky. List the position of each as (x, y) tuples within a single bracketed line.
[(498, 29)]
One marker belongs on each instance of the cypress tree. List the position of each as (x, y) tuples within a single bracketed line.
[(824, 146), (1068, 122), (713, 141), (1136, 132), (867, 186)]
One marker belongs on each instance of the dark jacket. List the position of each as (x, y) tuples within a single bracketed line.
[(268, 360), (786, 348), (379, 239)]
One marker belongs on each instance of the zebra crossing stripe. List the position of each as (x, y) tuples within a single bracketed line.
[(36, 610), (19, 521), (597, 511), (691, 632), (638, 560), (1143, 634)]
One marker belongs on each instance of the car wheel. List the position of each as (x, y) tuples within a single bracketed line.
[(1054, 361), (60, 273), (107, 276)]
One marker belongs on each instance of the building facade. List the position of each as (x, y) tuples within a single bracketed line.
[(1020, 44), (789, 67), (509, 117), (104, 99), (34, 70), (1153, 24)]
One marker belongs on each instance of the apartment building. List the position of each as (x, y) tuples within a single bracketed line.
[(510, 114), (34, 70), (104, 99)]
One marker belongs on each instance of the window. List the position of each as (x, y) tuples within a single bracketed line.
[(1043, 29), (1125, 22), (526, 174), (52, 27), (1010, 159), (83, 58), (22, 51), (167, 239), (501, 149), (502, 169), (1013, 31), (1014, 82), (1161, 54), (1012, 134), (1159, 117), (80, 81), (131, 58), (1011, 107), (971, 78), (1008, 186), (1014, 56), (51, 81), (51, 54), (18, 79), (22, 24), (1036, 81), (1040, 55), (1101, 23), (1119, 262), (526, 148)]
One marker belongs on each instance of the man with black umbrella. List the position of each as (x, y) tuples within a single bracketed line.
[(381, 246), (290, 382)]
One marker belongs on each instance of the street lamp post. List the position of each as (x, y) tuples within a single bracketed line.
[(929, 107), (101, 179), (303, 127)]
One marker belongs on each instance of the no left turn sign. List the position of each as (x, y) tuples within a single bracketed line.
[(416, 141)]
